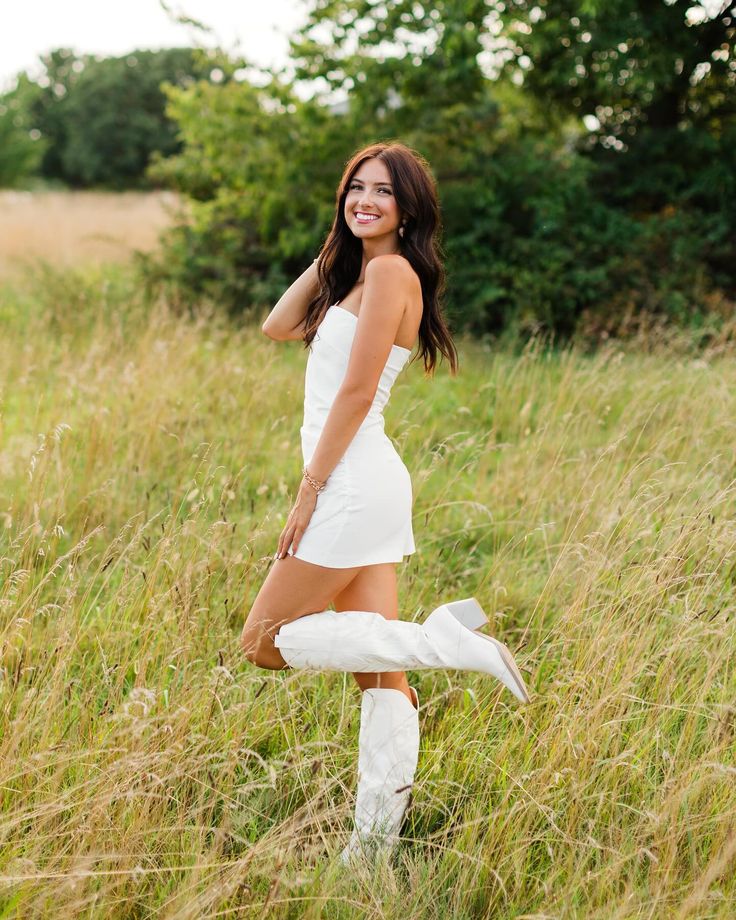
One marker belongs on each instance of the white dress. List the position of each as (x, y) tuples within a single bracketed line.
[(363, 515)]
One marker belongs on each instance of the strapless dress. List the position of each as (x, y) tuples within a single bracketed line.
[(364, 514)]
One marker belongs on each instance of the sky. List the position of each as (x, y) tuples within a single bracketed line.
[(34, 27)]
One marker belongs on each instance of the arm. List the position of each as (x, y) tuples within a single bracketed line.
[(387, 283), (286, 320)]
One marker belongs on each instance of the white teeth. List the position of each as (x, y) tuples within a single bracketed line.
[(361, 215)]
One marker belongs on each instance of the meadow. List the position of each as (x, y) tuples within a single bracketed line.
[(587, 499), (78, 228)]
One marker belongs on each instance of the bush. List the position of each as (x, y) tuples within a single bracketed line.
[(539, 231)]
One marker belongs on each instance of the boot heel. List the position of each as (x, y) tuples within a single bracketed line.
[(468, 612), (508, 660)]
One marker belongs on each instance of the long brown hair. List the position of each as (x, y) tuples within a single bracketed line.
[(339, 262)]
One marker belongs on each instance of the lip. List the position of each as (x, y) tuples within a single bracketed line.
[(363, 220)]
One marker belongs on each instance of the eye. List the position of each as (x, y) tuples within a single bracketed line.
[(357, 185)]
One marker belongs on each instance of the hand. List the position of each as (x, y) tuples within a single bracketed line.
[(299, 517)]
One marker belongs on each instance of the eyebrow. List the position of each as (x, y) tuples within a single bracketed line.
[(356, 179)]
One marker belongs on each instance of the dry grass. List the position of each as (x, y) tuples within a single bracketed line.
[(588, 502), (78, 228)]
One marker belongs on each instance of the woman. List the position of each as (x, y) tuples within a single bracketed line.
[(359, 308)]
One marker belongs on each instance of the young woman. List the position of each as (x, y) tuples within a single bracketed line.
[(360, 307)]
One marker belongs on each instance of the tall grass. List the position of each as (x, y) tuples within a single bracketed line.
[(147, 464), (76, 228)]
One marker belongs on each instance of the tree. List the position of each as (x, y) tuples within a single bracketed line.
[(543, 221), (626, 64), (100, 119), (114, 116), (656, 85), (21, 147)]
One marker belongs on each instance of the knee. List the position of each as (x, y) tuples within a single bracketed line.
[(258, 648)]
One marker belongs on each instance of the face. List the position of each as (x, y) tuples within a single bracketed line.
[(370, 193)]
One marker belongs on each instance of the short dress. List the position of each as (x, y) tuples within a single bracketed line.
[(364, 514)]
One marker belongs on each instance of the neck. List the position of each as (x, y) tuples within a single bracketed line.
[(373, 248)]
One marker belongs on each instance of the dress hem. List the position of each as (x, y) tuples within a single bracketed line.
[(345, 565)]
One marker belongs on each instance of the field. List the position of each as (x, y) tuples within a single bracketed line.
[(147, 462), (78, 228)]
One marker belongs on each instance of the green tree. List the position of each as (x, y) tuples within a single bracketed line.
[(257, 165), (114, 116), (46, 106), (100, 119), (631, 64), (543, 224), (656, 83), (21, 146)]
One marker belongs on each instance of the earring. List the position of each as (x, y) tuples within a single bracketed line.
[(401, 229)]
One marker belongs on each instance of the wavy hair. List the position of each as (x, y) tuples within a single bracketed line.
[(340, 258)]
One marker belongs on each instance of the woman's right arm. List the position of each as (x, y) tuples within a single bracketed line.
[(286, 320)]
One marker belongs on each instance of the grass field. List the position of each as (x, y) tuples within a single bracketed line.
[(147, 464), (75, 229)]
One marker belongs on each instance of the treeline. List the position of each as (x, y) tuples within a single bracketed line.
[(93, 122), (586, 163)]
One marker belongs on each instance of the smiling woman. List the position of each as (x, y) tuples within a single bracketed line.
[(373, 294), (370, 197)]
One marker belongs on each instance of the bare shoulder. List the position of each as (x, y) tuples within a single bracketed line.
[(391, 263), (395, 269)]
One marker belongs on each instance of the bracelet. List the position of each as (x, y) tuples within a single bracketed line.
[(314, 483)]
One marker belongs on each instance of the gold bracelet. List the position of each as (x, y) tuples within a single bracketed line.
[(314, 483)]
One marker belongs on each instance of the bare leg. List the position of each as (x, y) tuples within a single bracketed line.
[(293, 588), (374, 588)]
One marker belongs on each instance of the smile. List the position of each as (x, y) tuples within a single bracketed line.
[(364, 218)]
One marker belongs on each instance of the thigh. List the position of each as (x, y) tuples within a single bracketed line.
[(372, 588), (293, 588), (375, 588)]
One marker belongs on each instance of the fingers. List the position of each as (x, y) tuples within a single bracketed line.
[(284, 541), (290, 536), (296, 524), (284, 538)]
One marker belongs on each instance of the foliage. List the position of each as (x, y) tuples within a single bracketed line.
[(257, 163), (656, 85), (585, 157), (546, 222), (100, 119), (21, 149), (630, 63)]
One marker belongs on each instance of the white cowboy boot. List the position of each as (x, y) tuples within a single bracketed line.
[(387, 759), (362, 641)]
